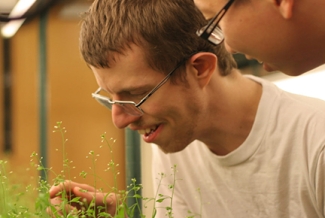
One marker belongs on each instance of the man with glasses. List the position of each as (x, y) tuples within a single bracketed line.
[(286, 35), (241, 146)]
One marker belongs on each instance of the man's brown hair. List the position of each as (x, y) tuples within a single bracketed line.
[(165, 29)]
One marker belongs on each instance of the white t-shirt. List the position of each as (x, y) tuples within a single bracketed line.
[(278, 172)]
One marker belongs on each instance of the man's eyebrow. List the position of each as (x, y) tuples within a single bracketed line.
[(134, 88)]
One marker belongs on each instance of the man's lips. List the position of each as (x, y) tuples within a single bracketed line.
[(248, 57), (251, 58), (147, 131), (268, 68), (150, 135)]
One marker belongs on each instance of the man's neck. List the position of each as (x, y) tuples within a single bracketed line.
[(233, 116)]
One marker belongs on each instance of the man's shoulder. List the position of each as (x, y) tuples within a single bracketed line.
[(289, 100), (313, 104)]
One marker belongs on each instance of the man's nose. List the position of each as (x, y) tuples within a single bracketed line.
[(122, 119)]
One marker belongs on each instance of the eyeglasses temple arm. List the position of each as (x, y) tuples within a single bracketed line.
[(159, 85), (215, 20)]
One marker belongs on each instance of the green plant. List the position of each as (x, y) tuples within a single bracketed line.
[(13, 197)]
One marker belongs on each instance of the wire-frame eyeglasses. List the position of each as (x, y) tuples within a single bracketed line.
[(212, 32), (130, 107)]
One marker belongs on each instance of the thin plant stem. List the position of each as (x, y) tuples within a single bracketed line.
[(173, 190), (112, 166), (154, 209)]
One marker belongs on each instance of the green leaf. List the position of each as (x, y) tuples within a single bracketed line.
[(137, 196), (75, 200), (160, 200)]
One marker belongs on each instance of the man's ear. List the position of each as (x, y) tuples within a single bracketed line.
[(285, 7), (205, 65)]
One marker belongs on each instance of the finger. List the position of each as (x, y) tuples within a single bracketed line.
[(106, 200), (101, 197), (59, 208), (58, 188), (68, 187)]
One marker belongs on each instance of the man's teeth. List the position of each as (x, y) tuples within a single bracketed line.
[(147, 131)]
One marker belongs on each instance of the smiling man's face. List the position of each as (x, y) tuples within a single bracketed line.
[(170, 114)]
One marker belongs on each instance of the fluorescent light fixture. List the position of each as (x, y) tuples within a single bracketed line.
[(21, 7), (10, 28), (308, 84)]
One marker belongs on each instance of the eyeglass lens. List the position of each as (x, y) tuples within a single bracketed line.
[(126, 107)]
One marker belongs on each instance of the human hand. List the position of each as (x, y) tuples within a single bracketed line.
[(80, 199)]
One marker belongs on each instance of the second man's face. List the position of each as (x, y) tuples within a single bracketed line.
[(249, 29)]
